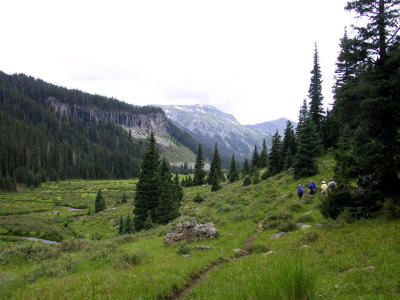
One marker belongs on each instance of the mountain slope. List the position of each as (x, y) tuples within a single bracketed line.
[(270, 127), (209, 125), (50, 132)]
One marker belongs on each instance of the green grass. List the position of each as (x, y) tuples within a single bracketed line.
[(140, 266)]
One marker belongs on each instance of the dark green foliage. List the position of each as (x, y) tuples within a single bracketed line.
[(315, 92), (121, 226), (255, 159), (305, 219), (216, 175), (148, 223), (256, 177), (148, 188), (177, 190), (275, 164), (357, 202), (129, 227), (310, 237), (233, 171), (100, 203), (183, 249), (199, 172), (246, 168), (263, 159), (168, 205), (258, 248), (246, 181), (132, 259), (289, 146), (198, 199), (307, 150), (189, 181), (124, 199)]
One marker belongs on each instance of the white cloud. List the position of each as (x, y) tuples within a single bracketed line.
[(248, 58)]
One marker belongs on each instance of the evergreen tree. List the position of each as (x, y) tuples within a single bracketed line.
[(121, 227), (199, 172), (303, 115), (289, 146), (129, 228), (167, 208), (255, 159), (148, 188), (246, 168), (315, 92), (189, 181), (305, 163), (233, 172), (99, 203), (124, 200), (275, 164), (263, 159), (183, 182), (148, 223), (215, 168), (178, 191)]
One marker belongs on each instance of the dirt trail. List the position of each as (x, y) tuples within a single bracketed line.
[(196, 280)]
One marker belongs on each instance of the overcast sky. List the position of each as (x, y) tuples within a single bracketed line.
[(248, 58)]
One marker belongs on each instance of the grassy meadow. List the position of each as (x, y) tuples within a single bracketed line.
[(341, 259)]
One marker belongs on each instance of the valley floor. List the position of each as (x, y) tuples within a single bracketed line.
[(327, 260)]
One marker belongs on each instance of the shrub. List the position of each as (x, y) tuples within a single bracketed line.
[(264, 175), (309, 237), (198, 199), (34, 252), (391, 208), (132, 259), (295, 206), (282, 221), (183, 249), (286, 226), (305, 219), (73, 245), (96, 236), (246, 181), (258, 248)]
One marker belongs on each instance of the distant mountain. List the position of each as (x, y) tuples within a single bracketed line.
[(270, 127), (210, 125)]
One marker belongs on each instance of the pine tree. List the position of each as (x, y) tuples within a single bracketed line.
[(128, 228), (189, 181), (178, 191), (255, 159), (288, 146), (183, 182), (315, 92), (263, 159), (124, 200), (275, 164), (199, 172), (148, 223), (215, 168), (233, 171), (148, 188), (99, 203), (303, 115), (246, 168), (167, 208), (121, 227), (305, 161)]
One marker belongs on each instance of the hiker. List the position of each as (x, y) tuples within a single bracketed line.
[(331, 184), (324, 187), (300, 191), (312, 188)]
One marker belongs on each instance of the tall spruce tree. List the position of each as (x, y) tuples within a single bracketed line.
[(233, 171), (199, 172), (308, 141), (315, 92), (216, 174), (167, 208), (303, 115), (255, 159), (246, 168), (275, 164), (178, 191), (148, 188), (263, 159), (100, 203), (289, 146), (121, 227)]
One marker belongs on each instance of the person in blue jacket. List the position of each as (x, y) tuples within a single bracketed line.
[(312, 187), (300, 191)]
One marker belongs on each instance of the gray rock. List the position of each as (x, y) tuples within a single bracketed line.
[(269, 253), (277, 235), (305, 226), (200, 247), (305, 246), (239, 251), (186, 255), (191, 231)]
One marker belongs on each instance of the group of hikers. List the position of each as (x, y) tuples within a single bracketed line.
[(312, 188)]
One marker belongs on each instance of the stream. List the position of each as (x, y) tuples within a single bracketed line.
[(39, 240)]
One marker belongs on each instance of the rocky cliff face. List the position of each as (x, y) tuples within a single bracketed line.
[(139, 124)]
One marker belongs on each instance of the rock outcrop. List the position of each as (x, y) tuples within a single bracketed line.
[(191, 231)]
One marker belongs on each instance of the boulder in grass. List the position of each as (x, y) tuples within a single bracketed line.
[(277, 235), (191, 231)]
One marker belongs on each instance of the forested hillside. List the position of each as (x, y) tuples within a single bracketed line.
[(50, 133)]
